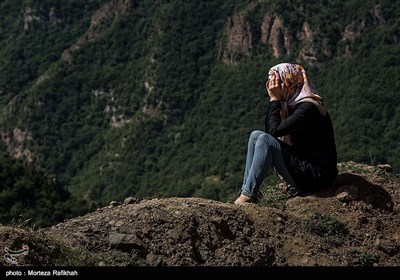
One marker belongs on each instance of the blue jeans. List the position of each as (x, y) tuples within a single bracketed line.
[(263, 152)]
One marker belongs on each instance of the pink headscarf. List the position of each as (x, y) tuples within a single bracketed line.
[(298, 87)]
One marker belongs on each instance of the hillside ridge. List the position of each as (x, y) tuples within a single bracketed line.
[(354, 223)]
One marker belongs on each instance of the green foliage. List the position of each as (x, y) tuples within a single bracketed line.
[(350, 167), (333, 230), (271, 195), (28, 196), (362, 258)]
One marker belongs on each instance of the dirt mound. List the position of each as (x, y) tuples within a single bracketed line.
[(355, 223), (173, 232)]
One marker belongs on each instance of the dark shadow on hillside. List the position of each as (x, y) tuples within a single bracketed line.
[(371, 194)]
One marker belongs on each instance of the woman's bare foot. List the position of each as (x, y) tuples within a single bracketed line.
[(242, 199)]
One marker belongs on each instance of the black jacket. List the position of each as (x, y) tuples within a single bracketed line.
[(312, 158)]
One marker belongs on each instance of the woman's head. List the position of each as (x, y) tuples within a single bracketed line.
[(293, 79), (295, 84)]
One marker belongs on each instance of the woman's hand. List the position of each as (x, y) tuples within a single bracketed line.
[(275, 91)]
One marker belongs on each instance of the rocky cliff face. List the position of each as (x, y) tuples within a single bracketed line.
[(239, 39), (276, 35), (355, 223), (304, 41)]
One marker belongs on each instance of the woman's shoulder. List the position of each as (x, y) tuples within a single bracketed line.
[(307, 107)]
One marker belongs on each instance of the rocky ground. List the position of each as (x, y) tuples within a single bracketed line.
[(355, 223)]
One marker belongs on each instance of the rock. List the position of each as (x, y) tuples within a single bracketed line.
[(126, 242), (239, 39), (386, 246), (175, 233), (385, 167), (347, 193), (153, 260), (114, 203), (131, 200), (116, 238), (161, 216)]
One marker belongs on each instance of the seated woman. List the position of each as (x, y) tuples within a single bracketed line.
[(298, 140)]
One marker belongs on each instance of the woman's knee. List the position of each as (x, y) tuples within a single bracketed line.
[(255, 134), (265, 139)]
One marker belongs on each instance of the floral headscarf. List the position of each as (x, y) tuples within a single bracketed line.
[(298, 87)]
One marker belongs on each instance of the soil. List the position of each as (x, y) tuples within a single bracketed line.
[(354, 223)]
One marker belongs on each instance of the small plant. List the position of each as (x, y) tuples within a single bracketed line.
[(362, 258), (272, 196), (350, 167), (333, 230)]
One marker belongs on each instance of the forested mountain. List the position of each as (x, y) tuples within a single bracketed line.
[(28, 196), (118, 98)]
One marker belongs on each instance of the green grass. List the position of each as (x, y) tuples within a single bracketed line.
[(362, 258), (350, 166), (272, 196), (333, 230)]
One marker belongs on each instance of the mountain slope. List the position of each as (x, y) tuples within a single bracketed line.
[(119, 98)]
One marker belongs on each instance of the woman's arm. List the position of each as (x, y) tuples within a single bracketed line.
[(295, 122)]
